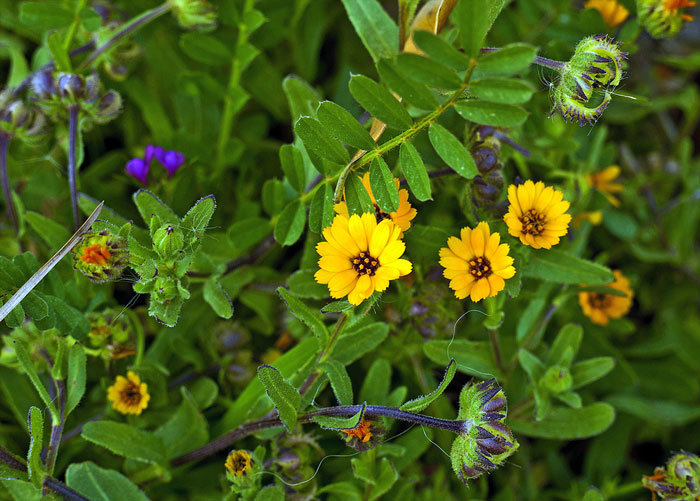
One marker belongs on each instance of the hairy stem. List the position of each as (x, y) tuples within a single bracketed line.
[(72, 163), (6, 191), (542, 61)]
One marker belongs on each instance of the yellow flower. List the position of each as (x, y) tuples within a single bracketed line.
[(595, 218), (603, 181), (537, 214), (239, 463), (402, 217), (128, 394), (600, 307), (477, 263), (361, 432), (359, 256), (613, 13)]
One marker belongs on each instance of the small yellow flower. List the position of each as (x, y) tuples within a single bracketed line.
[(603, 181), (239, 463), (594, 217), (477, 263), (128, 394), (613, 12), (402, 217), (673, 6), (361, 432), (360, 256), (600, 307), (537, 214)]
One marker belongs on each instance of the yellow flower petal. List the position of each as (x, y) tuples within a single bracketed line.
[(334, 263)]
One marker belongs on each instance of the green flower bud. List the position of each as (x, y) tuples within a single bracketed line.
[(110, 335), (194, 14), (557, 379), (168, 241), (487, 442), (101, 256), (165, 289), (663, 18)]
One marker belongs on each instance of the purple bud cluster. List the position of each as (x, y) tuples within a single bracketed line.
[(138, 167)]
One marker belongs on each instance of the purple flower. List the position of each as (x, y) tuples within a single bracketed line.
[(138, 169), (172, 161)]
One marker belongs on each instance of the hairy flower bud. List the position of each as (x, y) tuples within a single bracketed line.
[(101, 256), (70, 87), (43, 84), (488, 442), (194, 14), (484, 192), (680, 479), (663, 18), (19, 119), (168, 241), (557, 379)]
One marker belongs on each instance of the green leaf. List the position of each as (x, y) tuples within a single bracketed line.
[(31, 372), (497, 114), (20, 490), (270, 493), (290, 224), (386, 477), (376, 29), (514, 283), (593, 494), (452, 152), (557, 266), (303, 285), (100, 484), (75, 384), (90, 19), (303, 99), (197, 218), (340, 381), (420, 403), (343, 126), (217, 298), (338, 423), (471, 357), (245, 233), (59, 52), (356, 196), (285, 397), (564, 423), (474, 19), (509, 60), (379, 102), (661, 412), (318, 139), (186, 429), (68, 320), (44, 16), (532, 365), (337, 306), (321, 211), (124, 440), (440, 50), (429, 72), (502, 90), (412, 92), (150, 205), (414, 171), (35, 306), (587, 371), (383, 186), (569, 336), (205, 49), (51, 232), (292, 163), (310, 317), (35, 467), (375, 387), (355, 345)]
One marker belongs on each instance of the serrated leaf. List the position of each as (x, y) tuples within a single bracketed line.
[(340, 381), (310, 317), (414, 93), (502, 90), (376, 29), (564, 423), (508, 60), (339, 423), (420, 403), (290, 223), (557, 266), (217, 298), (343, 126), (496, 114), (321, 211), (317, 139), (429, 72), (415, 172), (100, 484), (292, 163), (75, 384), (356, 196), (440, 50), (383, 186), (452, 151), (125, 440), (379, 102), (285, 397)]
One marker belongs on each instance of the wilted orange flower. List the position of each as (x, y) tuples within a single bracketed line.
[(603, 181), (239, 463), (96, 254), (402, 217), (128, 394), (477, 263), (613, 12), (600, 307), (537, 214), (360, 256), (361, 431)]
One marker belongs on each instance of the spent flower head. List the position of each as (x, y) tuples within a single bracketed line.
[(19, 119), (101, 256), (663, 18), (678, 480)]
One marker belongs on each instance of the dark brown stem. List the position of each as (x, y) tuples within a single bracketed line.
[(57, 428), (6, 191)]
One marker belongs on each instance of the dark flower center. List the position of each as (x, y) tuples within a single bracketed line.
[(131, 395), (365, 264), (533, 222), (239, 463), (380, 214), (480, 267), (599, 301)]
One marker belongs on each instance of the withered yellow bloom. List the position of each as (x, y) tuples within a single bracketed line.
[(360, 256), (603, 181), (537, 214), (361, 432), (239, 463), (402, 217), (477, 264), (600, 307), (128, 394), (612, 11)]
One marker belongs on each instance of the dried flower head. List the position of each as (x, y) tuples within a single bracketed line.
[(612, 11), (679, 480), (403, 215), (360, 256), (128, 394), (663, 18), (239, 463), (537, 214), (601, 307), (603, 181), (101, 256), (366, 435), (477, 264)]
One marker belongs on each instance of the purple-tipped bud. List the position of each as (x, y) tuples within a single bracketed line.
[(110, 104), (152, 152), (43, 84), (172, 161), (497, 404), (486, 159), (70, 86), (495, 178), (489, 394), (494, 445), (492, 416), (482, 433), (137, 169)]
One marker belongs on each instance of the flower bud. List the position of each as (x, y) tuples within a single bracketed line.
[(110, 335), (109, 105), (487, 442), (92, 89), (168, 241), (70, 86), (101, 256), (43, 85), (194, 14), (557, 379), (486, 159), (483, 192), (663, 18)]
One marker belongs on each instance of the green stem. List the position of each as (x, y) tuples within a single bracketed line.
[(339, 325), (74, 25), (72, 163)]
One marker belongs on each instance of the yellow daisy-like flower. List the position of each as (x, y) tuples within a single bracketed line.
[(537, 214), (402, 217), (477, 263), (600, 307), (613, 12), (128, 394), (603, 181), (360, 256), (239, 463)]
